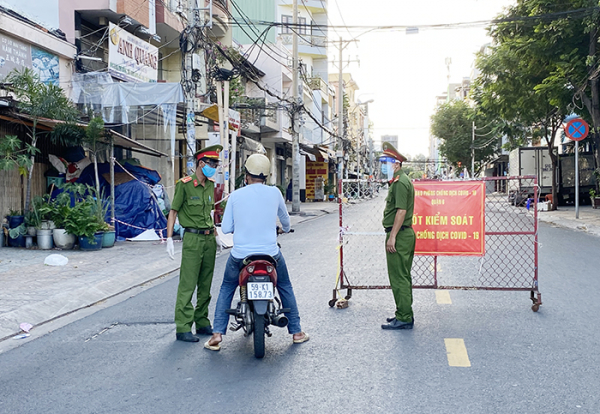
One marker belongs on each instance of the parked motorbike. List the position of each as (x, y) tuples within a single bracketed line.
[(259, 306)]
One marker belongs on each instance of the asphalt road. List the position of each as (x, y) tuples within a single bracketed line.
[(124, 359)]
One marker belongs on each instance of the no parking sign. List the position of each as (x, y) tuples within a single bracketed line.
[(577, 129)]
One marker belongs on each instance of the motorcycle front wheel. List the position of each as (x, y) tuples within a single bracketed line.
[(259, 335)]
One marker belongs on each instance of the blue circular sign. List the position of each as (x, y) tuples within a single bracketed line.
[(577, 129)]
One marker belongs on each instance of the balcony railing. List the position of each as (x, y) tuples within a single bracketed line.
[(306, 40), (318, 84), (256, 117)]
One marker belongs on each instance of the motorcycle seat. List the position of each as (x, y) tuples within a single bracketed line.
[(254, 257)]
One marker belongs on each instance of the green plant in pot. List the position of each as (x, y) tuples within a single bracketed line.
[(86, 220), (61, 214)]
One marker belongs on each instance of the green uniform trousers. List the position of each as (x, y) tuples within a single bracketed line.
[(399, 265), (197, 267)]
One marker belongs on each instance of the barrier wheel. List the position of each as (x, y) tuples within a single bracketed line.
[(332, 303), (535, 307)]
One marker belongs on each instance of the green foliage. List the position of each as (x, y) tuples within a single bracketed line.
[(68, 134), (83, 218), (12, 155), (62, 209), (329, 188), (39, 100), (17, 231), (453, 124)]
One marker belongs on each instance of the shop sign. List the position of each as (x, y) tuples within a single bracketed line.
[(15, 54), (449, 218), (130, 58)]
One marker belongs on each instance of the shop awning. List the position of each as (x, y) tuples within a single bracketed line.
[(315, 151), (118, 139)]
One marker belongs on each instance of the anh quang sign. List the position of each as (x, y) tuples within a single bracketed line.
[(131, 58), (449, 218)]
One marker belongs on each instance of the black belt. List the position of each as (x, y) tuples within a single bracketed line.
[(389, 229), (199, 231)]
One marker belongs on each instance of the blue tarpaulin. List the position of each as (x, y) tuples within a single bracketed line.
[(135, 204)]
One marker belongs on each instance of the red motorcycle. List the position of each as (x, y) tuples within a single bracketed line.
[(259, 307)]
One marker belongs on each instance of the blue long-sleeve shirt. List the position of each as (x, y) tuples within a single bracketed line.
[(251, 215)]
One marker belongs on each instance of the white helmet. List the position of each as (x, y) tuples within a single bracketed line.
[(258, 165)]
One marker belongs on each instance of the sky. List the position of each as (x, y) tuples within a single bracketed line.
[(403, 73)]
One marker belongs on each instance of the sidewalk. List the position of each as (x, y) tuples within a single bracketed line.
[(34, 293), (589, 218)]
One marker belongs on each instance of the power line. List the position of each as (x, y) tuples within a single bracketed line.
[(582, 12)]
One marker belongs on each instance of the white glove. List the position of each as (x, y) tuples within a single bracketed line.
[(170, 248)]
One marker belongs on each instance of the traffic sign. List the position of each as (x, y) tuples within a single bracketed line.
[(577, 129)]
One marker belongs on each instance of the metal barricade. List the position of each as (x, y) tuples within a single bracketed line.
[(510, 261)]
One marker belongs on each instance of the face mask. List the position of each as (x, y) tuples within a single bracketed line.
[(208, 171), (384, 169)]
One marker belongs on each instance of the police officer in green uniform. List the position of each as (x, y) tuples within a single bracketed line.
[(400, 237), (193, 202)]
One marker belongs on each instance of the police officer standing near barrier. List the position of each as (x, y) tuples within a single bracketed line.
[(193, 202), (400, 237)]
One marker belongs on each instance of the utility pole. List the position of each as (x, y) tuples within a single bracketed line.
[(296, 113), (341, 115), (341, 108), (296, 119), (190, 94), (473, 152)]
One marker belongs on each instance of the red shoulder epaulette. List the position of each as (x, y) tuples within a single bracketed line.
[(394, 180), (186, 179)]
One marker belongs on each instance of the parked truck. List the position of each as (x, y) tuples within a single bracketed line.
[(587, 181), (536, 161), (529, 161)]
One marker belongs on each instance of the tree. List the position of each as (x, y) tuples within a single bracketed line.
[(453, 124), (39, 100), (12, 155), (513, 85), (567, 42), (93, 133)]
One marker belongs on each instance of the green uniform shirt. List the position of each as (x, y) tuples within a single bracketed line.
[(401, 195), (194, 202)]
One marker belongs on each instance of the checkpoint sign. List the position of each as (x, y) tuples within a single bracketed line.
[(577, 129)]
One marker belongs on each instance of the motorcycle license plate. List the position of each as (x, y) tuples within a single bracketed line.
[(260, 290)]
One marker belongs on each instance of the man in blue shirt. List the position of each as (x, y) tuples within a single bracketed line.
[(251, 215)]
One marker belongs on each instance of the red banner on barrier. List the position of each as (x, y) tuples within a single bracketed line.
[(449, 218)]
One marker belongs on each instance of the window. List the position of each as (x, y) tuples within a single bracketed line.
[(303, 28), (286, 20)]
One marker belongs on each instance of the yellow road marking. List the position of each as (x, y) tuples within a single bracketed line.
[(457, 352), (442, 297)]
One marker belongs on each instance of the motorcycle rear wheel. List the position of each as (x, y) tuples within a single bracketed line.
[(259, 335)]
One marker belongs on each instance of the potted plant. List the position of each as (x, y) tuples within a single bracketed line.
[(84, 219), (81, 223), (16, 228), (110, 236), (329, 190), (61, 214), (32, 222)]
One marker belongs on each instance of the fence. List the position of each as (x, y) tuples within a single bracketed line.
[(509, 261)]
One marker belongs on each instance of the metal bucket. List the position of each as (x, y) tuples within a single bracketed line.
[(44, 239)]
